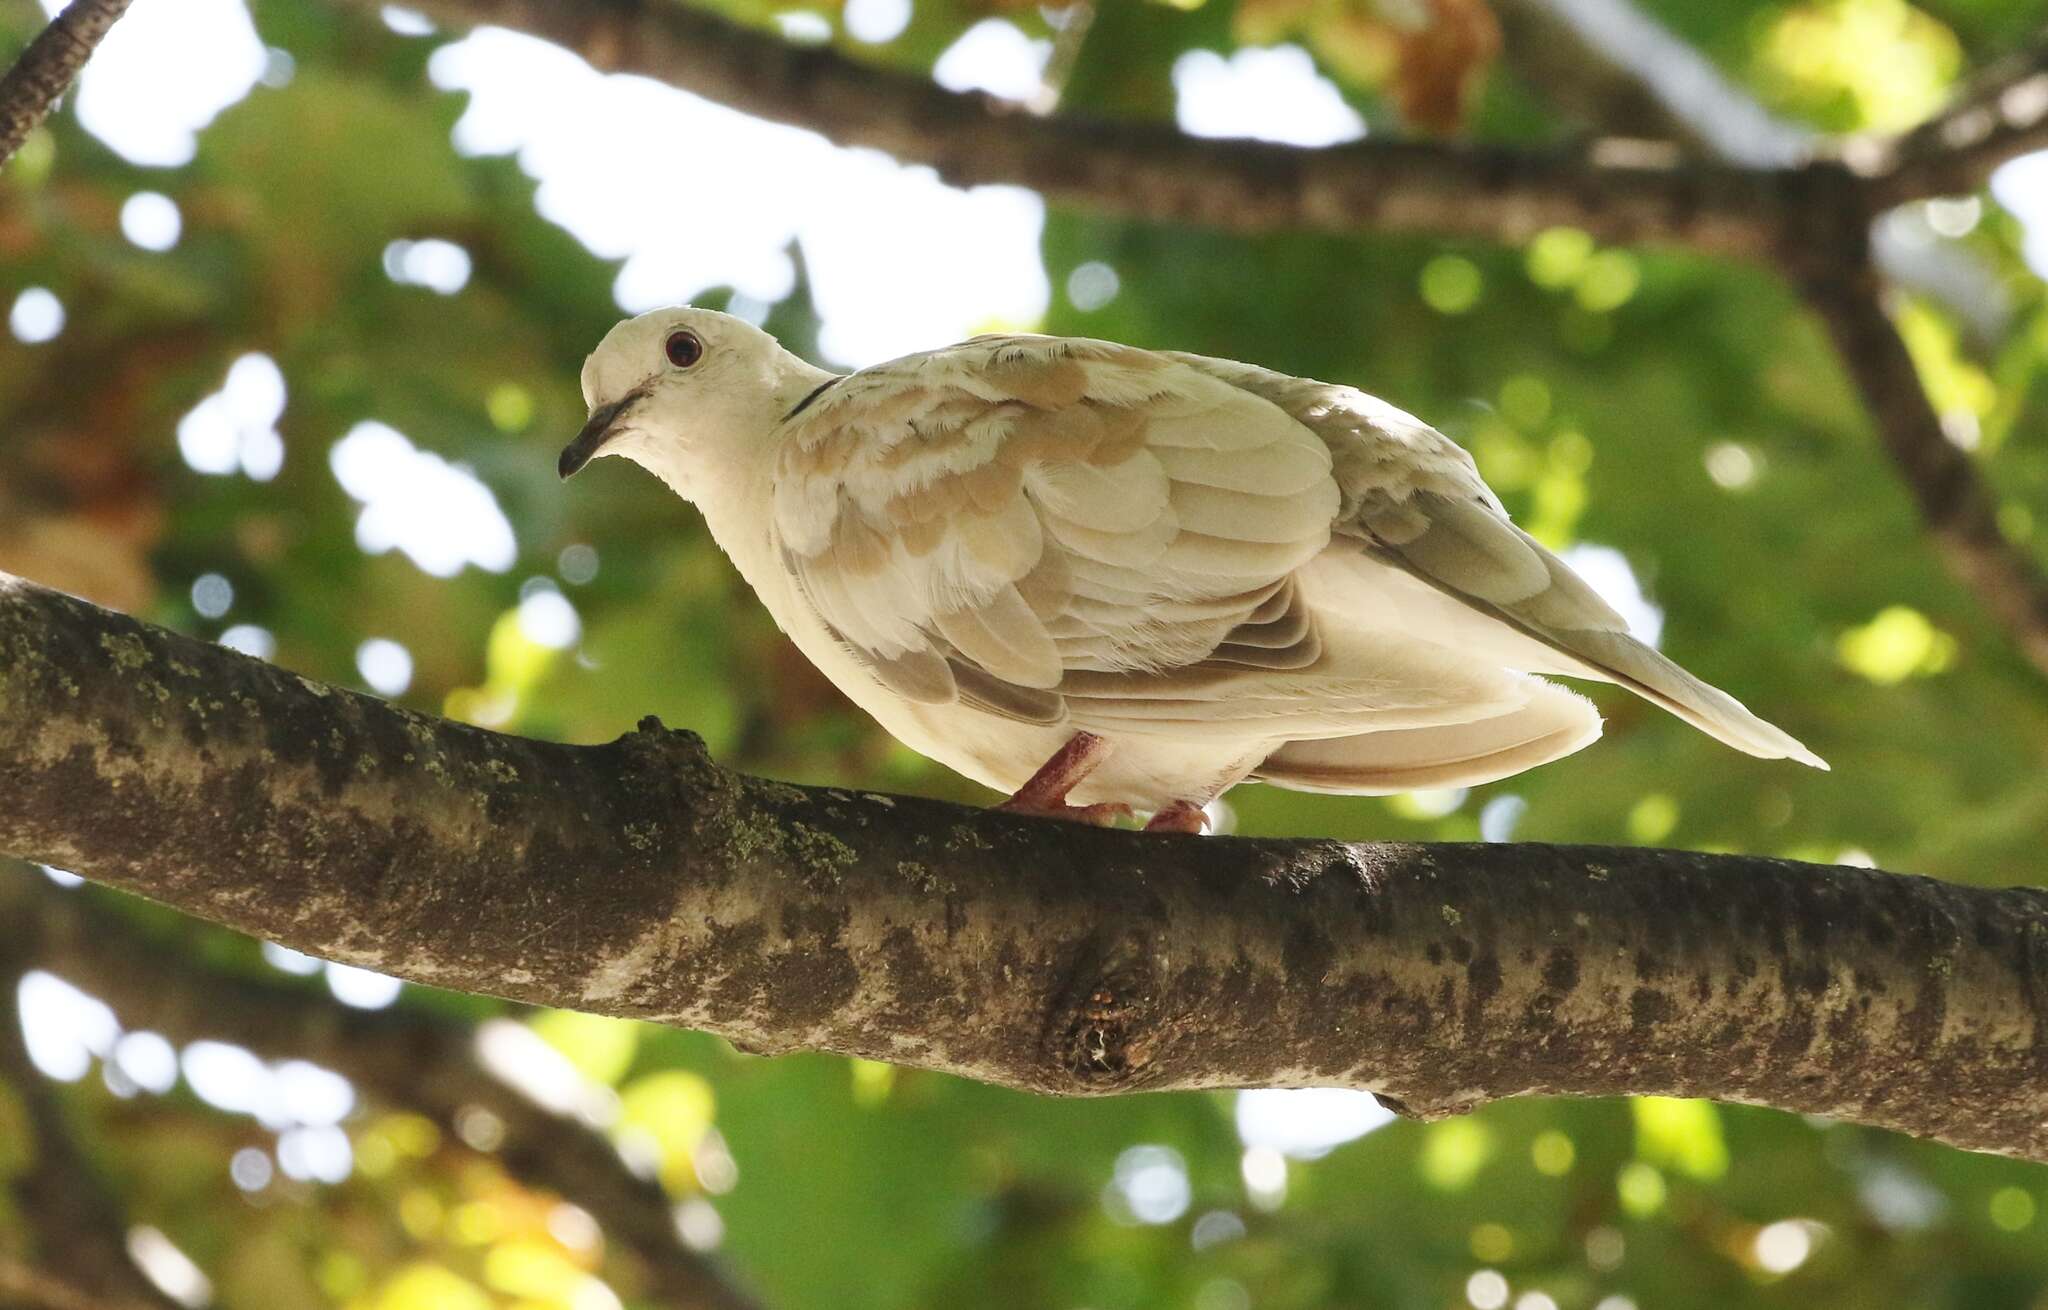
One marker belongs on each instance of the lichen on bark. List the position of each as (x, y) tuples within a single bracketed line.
[(638, 878)]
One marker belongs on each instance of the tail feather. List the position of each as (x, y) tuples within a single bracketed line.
[(1470, 552), (1650, 675)]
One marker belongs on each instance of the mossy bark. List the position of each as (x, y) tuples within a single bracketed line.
[(640, 879)]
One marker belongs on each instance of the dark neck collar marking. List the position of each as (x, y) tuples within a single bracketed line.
[(816, 392)]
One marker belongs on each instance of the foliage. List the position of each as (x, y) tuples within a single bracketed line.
[(1683, 412)]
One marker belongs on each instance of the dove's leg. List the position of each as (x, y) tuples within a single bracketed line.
[(1045, 793), (1179, 816)]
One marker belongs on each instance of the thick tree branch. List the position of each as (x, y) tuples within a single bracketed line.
[(397, 1056), (1153, 172), (639, 879), (79, 1231), (48, 66)]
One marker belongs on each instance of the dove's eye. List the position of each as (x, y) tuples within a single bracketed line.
[(684, 349)]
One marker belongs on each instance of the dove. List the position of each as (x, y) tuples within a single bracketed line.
[(1107, 580)]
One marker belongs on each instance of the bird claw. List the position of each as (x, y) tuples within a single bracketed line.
[(1103, 815), (1179, 816)]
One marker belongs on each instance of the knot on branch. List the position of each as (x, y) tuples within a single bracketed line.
[(678, 746), (1103, 1030), (661, 786)]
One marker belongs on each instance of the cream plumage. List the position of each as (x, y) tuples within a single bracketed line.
[(1163, 573)]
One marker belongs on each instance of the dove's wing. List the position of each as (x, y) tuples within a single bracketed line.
[(1049, 528), (1412, 498)]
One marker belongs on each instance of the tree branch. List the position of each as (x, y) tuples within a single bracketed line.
[(1609, 65), (25, 1287), (1151, 171), (48, 65), (80, 1232), (639, 879), (2004, 116), (399, 1056), (1954, 503)]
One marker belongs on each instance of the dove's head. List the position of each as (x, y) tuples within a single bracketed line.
[(684, 392)]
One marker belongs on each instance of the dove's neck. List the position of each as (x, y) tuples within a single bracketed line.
[(736, 501), (729, 470)]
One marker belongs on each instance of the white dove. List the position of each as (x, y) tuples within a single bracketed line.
[(1105, 579)]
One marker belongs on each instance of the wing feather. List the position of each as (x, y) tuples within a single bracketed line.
[(1234, 515), (1130, 554), (1004, 637), (989, 522), (1285, 471)]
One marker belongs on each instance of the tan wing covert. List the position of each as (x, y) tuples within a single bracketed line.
[(1030, 523)]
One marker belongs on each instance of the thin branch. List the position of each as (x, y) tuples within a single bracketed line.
[(639, 879), (1954, 503), (399, 1056), (80, 1233), (2002, 116), (1613, 69), (1610, 65), (48, 66), (25, 1287)]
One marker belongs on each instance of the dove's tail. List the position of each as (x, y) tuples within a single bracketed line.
[(1484, 562), (1643, 671)]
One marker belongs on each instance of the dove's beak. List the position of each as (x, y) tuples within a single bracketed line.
[(595, 433)]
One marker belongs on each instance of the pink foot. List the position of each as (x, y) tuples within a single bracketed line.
[(1179, 816), (1045, 793)]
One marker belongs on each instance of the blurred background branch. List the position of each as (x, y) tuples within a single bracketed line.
[(1960, 514), (1616, 71), (1619, 71), (46, 68), (80, 1234), (406, 1059), (1152, 172), (2002, 116)]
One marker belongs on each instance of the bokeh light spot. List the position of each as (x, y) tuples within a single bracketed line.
[(150, 219), (1451, 284), (1552, 1153), (37, 316), (2012, 1208), (386, 666), (1486, 1290), (212, 595), (1640, 1188)]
